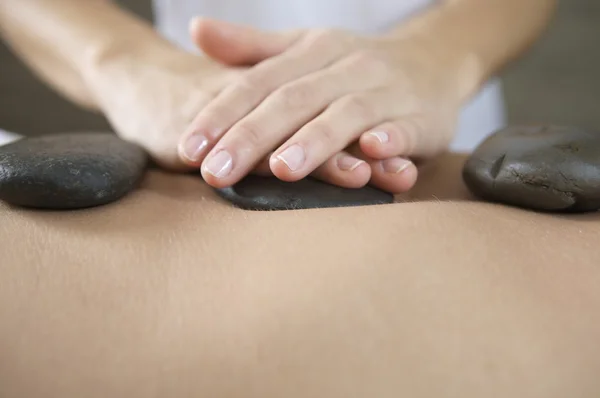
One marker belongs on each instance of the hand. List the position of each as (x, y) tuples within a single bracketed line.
[(314, 93), (150, 98)]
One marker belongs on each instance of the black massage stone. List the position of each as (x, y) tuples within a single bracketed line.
[(552, 168), (69, 171), (270, 193)]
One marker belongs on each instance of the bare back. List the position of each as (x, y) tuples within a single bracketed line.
[(171, 292)]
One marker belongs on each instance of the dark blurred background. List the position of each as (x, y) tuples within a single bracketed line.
[(557, 82)]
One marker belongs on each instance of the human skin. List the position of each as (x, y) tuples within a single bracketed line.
[(112, 61), (172, 292), (106, 59), (399, 93)]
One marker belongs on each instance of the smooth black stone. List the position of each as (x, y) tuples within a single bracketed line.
[(269, 193), (69, 171), (546, 168)]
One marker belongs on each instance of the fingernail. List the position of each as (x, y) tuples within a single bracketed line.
[(293, 157), (381, 136), (396, 165), (348, 163), (220, 164), (194, 147)]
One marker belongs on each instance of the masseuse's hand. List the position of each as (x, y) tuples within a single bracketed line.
[(313, 93), (151, 97)]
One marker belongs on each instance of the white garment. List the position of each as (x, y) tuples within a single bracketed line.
[(482, 116), (8, 137)]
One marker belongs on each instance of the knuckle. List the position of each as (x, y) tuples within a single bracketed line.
[(326, 134), (293, 96), (213, 114), (322, 38), (408, 133), (359, 106), (361, 57), (369, 62), (411, 102), (412, 130), (250, 83), (249, 134), (217, 114)]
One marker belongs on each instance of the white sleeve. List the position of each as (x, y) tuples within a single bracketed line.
[(6, 137)]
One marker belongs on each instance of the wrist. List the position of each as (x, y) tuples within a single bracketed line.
[(454, 60), (461, 68), (456, 74), (134, 66)]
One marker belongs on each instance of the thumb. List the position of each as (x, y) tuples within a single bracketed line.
[(234, 44)]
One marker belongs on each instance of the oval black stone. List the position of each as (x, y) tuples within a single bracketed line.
[(69, 171), (551, 168), (269, 193)]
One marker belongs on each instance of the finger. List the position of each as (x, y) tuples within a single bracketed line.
[(406, 136), (235, 44), (330, 132), (352, 168), (239, 99), (275, 121), (395, 175), (344, 170)]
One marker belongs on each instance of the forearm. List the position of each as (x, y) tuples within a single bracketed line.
[(59, 39), (477, 38)]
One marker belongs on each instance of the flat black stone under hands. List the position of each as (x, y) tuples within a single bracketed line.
[(270, 193), (553, 168), (69, 171)]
